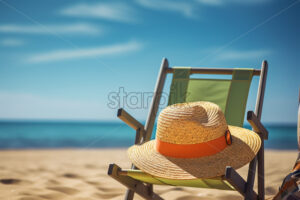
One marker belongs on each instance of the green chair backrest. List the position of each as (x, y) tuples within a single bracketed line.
[(230, 95)]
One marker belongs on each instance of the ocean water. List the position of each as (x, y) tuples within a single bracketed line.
[(30, 135)]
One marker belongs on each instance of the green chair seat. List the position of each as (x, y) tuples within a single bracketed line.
[(214, 183)]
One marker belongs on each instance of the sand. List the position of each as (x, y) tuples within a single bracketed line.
[(82, 175)]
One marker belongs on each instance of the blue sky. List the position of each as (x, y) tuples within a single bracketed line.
[(60, 60)]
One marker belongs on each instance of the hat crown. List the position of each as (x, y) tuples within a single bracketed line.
[(191, 123)]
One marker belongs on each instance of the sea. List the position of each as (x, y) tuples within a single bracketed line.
[(45, 135)]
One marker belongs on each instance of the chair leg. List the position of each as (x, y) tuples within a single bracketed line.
[(142, 189), (238, 183), (129, 195), (261, 173), (251, 179)]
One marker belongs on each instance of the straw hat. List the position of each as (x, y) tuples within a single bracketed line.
[(193, 141)]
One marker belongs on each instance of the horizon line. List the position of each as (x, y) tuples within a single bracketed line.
[(110, 121)]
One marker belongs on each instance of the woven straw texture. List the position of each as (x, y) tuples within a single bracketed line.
[(192, 123)]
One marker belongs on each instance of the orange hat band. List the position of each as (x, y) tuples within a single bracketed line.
[(193, 150)]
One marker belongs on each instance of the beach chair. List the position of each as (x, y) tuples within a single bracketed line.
[(231, 95)]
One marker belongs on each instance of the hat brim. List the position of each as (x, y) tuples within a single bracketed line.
[(244, 147)]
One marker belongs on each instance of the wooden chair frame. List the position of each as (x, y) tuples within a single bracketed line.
[(143, 134)]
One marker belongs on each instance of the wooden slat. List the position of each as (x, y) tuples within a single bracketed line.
[(129, 120), (156, 99), (259, 159), (147, 130), (251, 179), (224, 71), (235, 180), (145, 191), (257, 126), (130, 193), (138, 136), (261, 89), (133, 123), (258, 112)]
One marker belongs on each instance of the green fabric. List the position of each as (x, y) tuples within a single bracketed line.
[(213, 90), (230, 95), (216, 183), (179, 85), (237, 96)]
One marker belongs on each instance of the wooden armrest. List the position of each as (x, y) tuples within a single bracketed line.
[(144, 190), (129, 120), (257, 125), (133, 123)]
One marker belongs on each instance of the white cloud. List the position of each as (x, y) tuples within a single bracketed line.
[(111, 11), (12, 42), (186, 8), (68, 54), (241, 54), (32, 106), (79, 28)]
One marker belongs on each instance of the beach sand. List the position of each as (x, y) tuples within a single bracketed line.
[(82, 175)]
